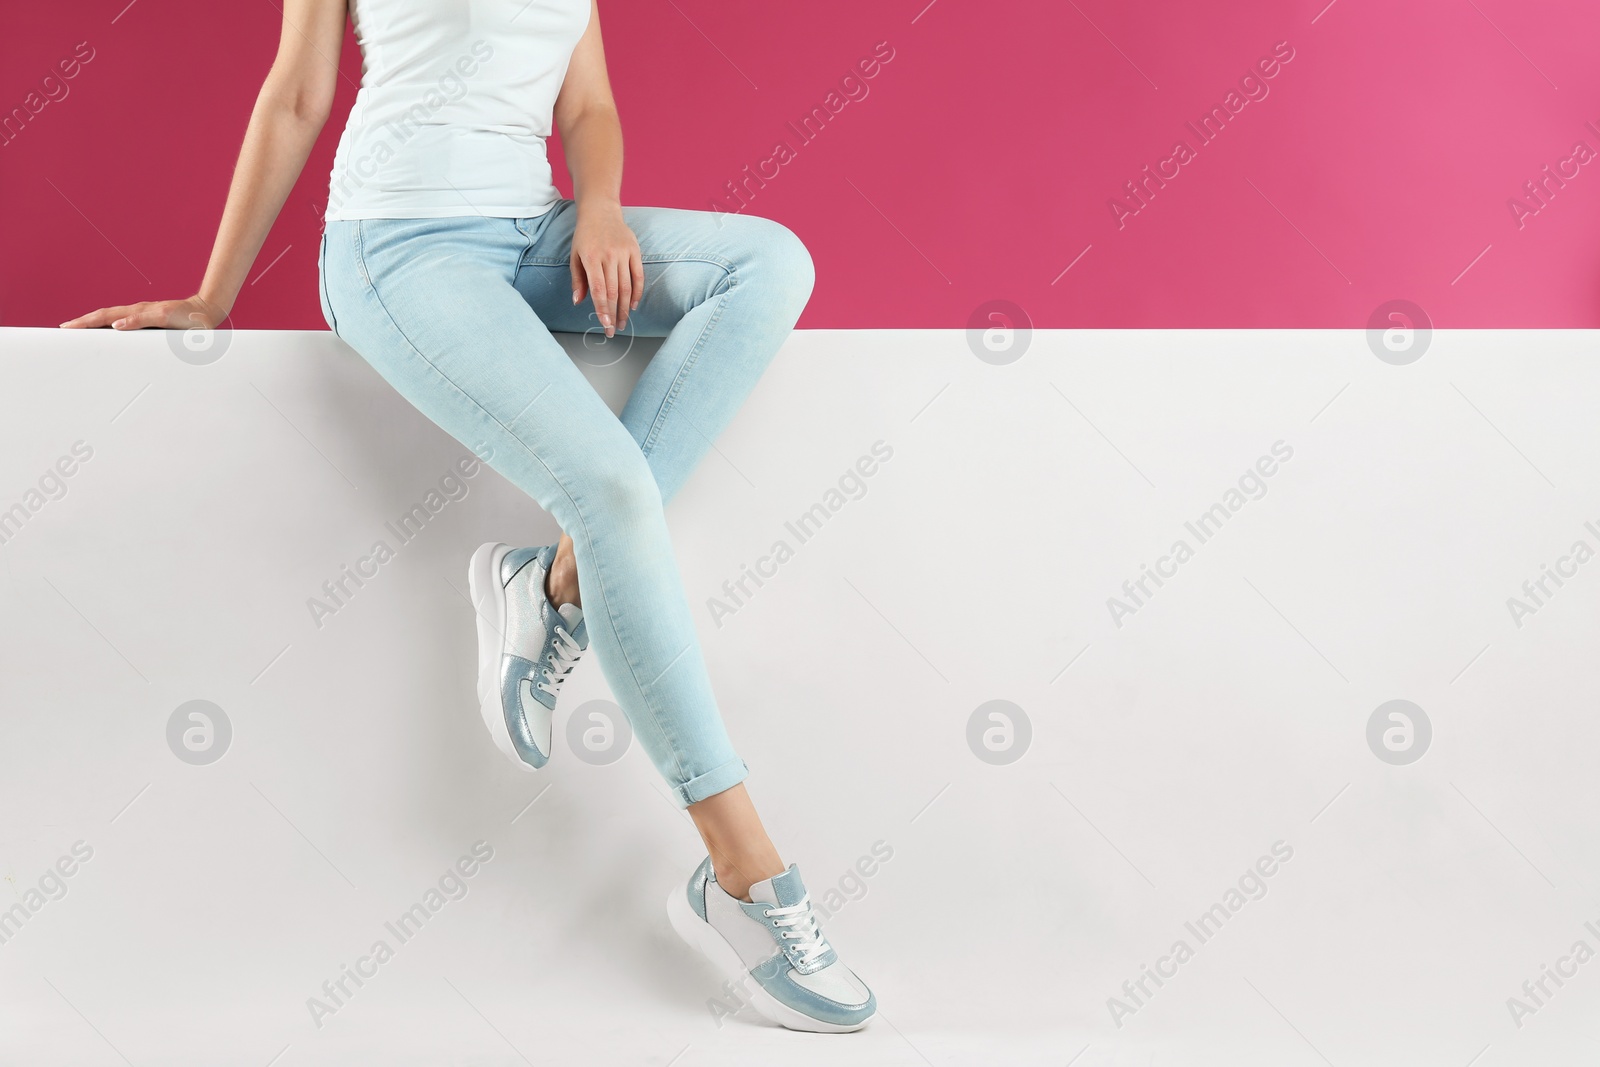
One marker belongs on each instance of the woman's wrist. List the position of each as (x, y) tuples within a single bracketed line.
[(599, 205), (213, 304)]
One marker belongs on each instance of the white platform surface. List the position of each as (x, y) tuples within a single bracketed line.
[(1168, 754)]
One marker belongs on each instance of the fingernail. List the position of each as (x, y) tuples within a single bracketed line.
[(575, 297), (118, 324)]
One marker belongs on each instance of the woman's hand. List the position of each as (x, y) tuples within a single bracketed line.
[(606, 264), (193, 313)]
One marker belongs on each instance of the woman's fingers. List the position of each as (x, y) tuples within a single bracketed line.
[(597, 290), (193, 313), (95, 319), (614, 281), (141, 315), (625, 301), (580, 280), (614, 302)]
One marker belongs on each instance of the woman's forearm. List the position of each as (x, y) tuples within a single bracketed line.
[(277, 142), (593, 145)]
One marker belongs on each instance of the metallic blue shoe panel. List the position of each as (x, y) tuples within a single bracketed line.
[(774, 978), (697, 887), (518, 677), (518, 558)]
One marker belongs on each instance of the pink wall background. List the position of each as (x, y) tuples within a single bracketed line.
[(980, 165)]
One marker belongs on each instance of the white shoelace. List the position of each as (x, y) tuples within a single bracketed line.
[(564, 652), (800, 931)]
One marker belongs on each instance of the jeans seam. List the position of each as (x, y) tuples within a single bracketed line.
[(689, 362), (359, 246), (526, 246), (693, 356), (654, 257), (650, 704), (322, 284)]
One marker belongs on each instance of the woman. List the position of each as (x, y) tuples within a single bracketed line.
[(444, 263)]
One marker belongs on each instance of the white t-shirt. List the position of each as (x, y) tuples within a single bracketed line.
[(455, 105)]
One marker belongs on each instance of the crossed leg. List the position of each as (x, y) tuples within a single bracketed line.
[(725, 291)]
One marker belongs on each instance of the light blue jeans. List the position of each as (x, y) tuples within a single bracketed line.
[(456, 314)]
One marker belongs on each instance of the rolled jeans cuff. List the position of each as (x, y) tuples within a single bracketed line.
[(714, 781)]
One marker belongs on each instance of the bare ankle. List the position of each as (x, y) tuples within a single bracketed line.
[(561, 583), (736, 878), (562, 589), (741, 853)]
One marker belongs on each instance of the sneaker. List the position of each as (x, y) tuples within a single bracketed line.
[(526, 648), (798, 980)]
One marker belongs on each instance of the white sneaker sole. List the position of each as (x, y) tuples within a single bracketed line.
[(489, 605), (703, 937)]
